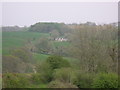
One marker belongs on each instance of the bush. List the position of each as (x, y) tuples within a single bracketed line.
[(63, 75), (13, 64), (57, 62), (44, 46), (46, 69), (46, 72), (24, 54), (83, 80), (11, 80), (36, 78), (106, 81), (58, 84)]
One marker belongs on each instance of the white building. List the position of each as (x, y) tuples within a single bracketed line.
[(60, 39)]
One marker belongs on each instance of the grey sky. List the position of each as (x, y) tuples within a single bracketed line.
[(29, 13)]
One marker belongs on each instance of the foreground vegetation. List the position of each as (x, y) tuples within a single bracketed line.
[(33, 58)]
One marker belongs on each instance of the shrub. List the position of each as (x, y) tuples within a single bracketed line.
[(63, 75), (44, 46), (106, 81), (46, 72), (24, 54), (11, 80), (57, 62), (13, 64), (36, 78), (58, 84), (46, 69), (83, 80)]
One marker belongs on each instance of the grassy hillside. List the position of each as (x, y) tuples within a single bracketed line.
[(19, 39), (40, 57)]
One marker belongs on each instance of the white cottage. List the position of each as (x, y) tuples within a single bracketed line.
[(60, 39)]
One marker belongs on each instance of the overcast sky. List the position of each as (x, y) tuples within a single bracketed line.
[(30, 13)]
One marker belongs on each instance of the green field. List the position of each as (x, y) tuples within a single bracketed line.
[(40, 57), (19, 39)]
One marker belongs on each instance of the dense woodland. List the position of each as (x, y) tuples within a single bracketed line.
[(58, 55)]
